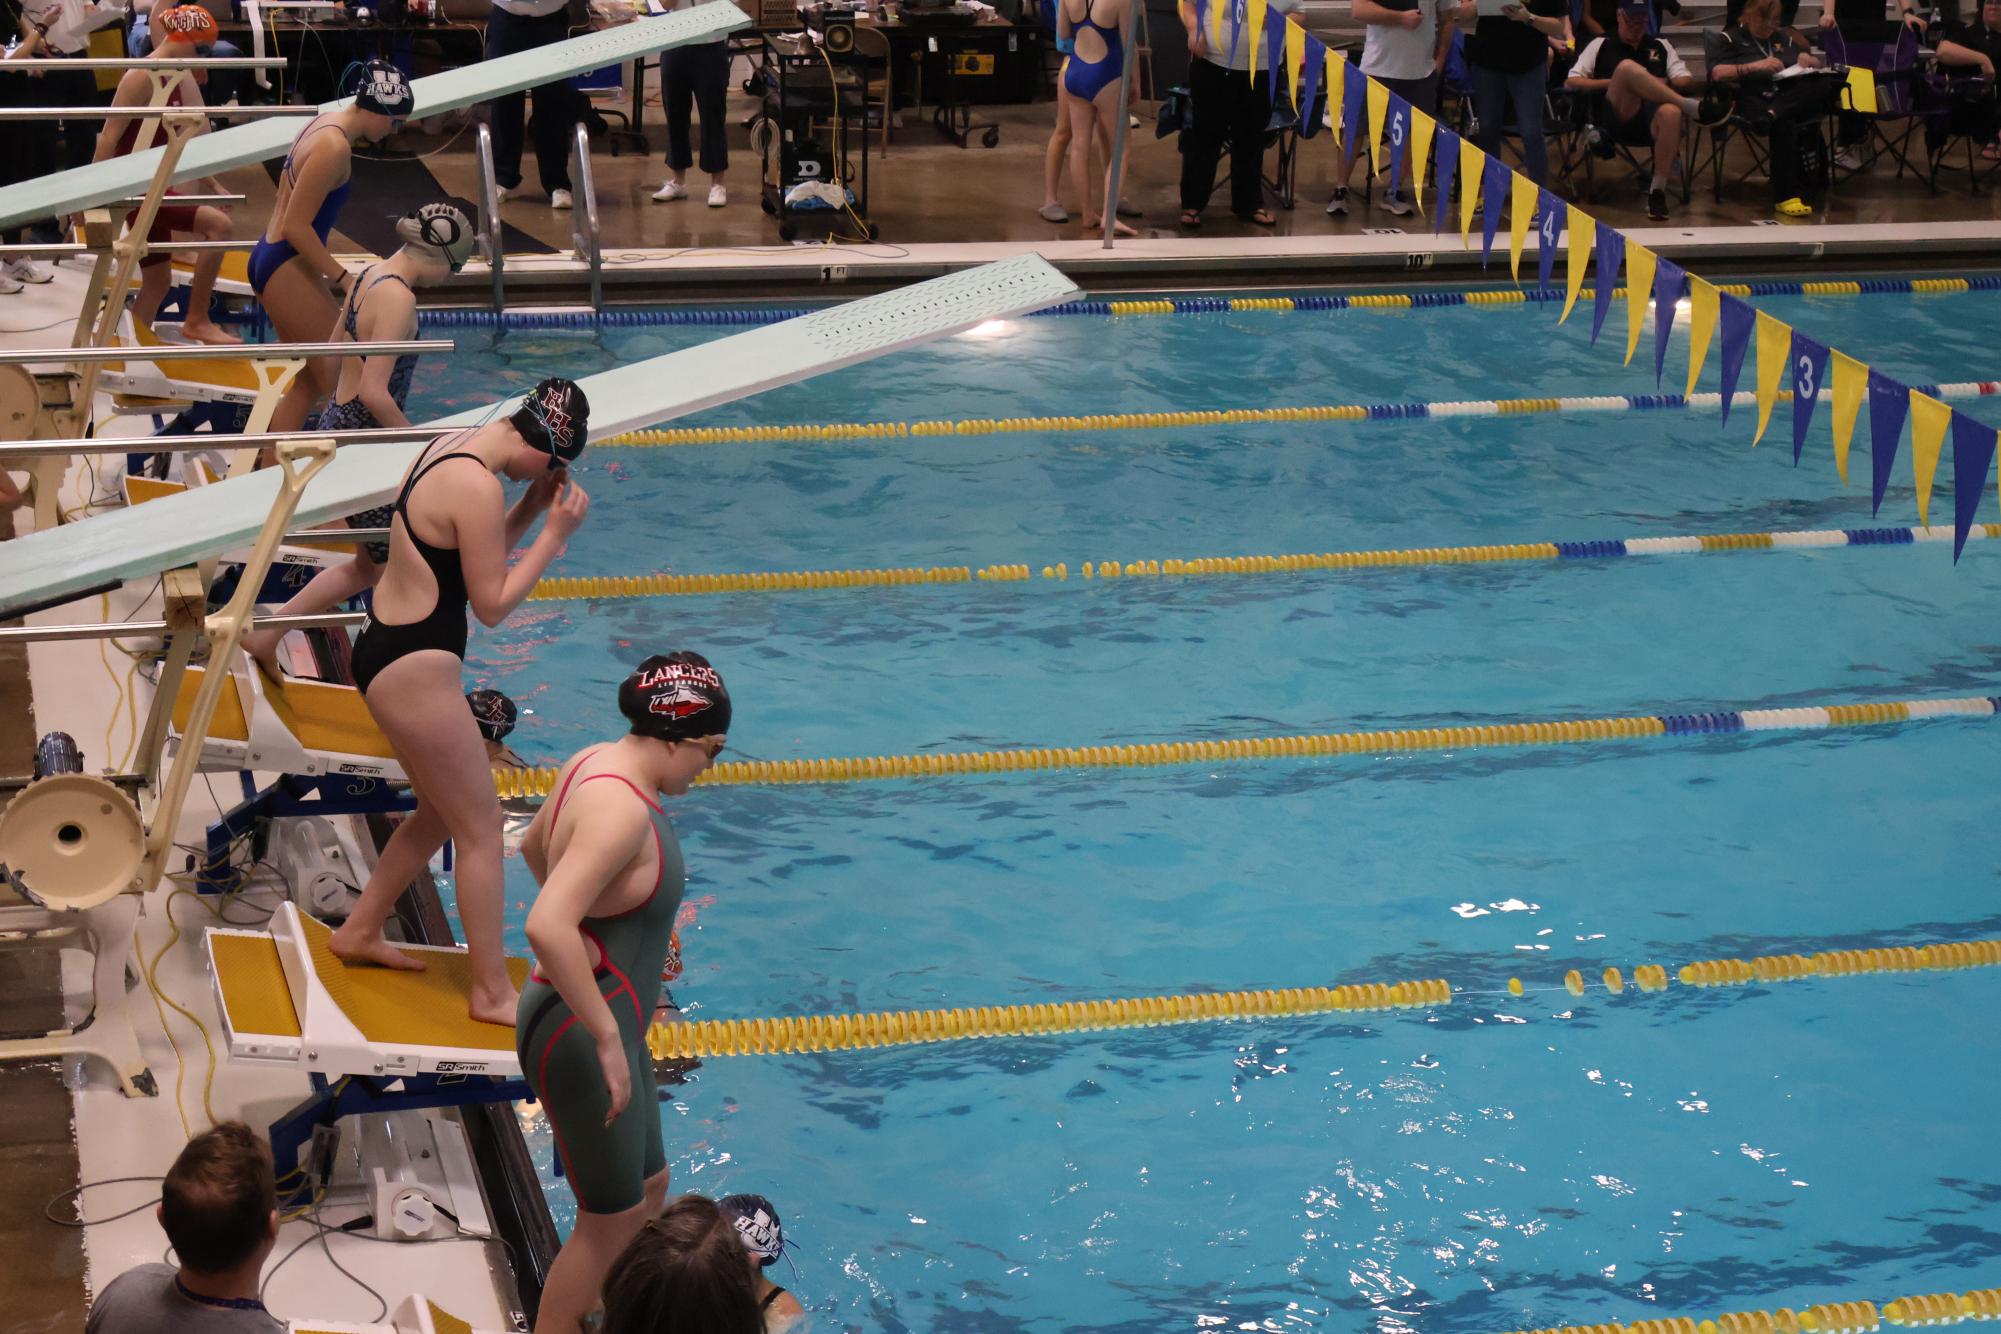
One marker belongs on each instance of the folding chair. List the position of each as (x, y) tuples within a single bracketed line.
[(1756, 136), (1942, 104), (1897, 117)]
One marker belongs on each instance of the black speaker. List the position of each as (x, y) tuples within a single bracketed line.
[(837, 30)]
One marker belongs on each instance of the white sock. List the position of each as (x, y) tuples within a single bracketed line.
[(1660, 183), (1690, 106)]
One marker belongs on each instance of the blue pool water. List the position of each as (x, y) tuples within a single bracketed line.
[(1497, 1164)]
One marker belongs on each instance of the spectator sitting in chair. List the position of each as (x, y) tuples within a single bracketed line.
[(1975, 48), (1647, 94), (1754, 54)]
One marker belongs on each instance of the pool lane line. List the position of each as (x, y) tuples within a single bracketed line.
[(793, 1034), (607, 587), (536, 781), (742, 316), (1852, 1317), (1096, 423)]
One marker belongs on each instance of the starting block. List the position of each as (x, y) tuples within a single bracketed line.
[(372, 1040), (413, 1315)]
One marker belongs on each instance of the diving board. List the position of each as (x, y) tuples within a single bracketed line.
[(285, 998), (243, 145), (99, 552)]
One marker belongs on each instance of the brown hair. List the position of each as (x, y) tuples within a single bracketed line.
[(1768, 8), (217, 1200), (683, 1274)]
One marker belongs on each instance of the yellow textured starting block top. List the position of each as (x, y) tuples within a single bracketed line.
[(325, 718), (251, 978), (426, 1009)]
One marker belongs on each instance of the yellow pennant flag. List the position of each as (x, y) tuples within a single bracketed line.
[(1578, 224), (1254, 31), (1702, 308), (1929, 419), (1860, 94), (1422, 127), (1472, 168), (1335, 76), (1520, 212), (1295, 61), (1378, 112), (1639, 293), (1848, 379), (1775, 358)]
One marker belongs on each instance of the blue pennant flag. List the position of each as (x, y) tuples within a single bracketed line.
[(1549, 231), (1398, 116), (1445, 153), (1669, 279), (1889, 404), (1495, 181), (1354, 91), (1309, 86), (1274, 70), (1611, 254), (1735, 322), (1809, 375), (1236, 29), (1972, 458)]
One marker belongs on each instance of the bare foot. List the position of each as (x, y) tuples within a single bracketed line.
[(210, 334), (494, 1007), (352, 947), (262, 646), (1096, 226)]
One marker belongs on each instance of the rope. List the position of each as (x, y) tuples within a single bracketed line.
[(514, 784), (1199, 305), (813, 432), (841, 1032), (1938, 1308), (598, 587)]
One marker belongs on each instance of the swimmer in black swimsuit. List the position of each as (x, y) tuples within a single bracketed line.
[(448, 548), (380, 307)]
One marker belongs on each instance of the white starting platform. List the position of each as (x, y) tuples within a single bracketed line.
[(295, 726), (414, 1315)]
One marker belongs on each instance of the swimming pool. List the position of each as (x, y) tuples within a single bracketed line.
[(1496, 1164)]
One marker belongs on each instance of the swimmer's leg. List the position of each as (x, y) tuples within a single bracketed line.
[(577, 1275), (323, 592), (211, 224), (301, 311)]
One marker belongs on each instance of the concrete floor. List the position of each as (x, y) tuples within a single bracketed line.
[(929, 190)]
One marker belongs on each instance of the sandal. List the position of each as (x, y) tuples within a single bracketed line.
[(1992, 152), (1191, 217), (1793, 208), (1264, 217)]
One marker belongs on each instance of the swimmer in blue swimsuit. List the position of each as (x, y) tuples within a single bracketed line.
[(449, 541), (1091, 78), (611, 877), (291, 270), (381, 307)]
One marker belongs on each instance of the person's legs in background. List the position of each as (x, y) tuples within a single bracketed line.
[(711, 80), (1212, 100), (1526, 94), (1248, 119), (558, 107), (677, 100), (1490, 109), (504, 114)]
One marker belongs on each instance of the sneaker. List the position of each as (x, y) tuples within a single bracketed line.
[(1657, 205), (1338, 205), (670, 192), (1600, 143), (560, 199), (1849, 159), (1397, 206), (28, 271), (9, 284), (1053, 212), (503, 193), (718, 196), (1713, 109)]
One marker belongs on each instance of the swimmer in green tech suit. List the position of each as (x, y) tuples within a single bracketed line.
[(611, 876)]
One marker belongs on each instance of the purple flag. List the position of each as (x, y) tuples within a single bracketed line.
[(1274, 52), (1736, 322), (1354, 91), (1809, 374), (1236, 28), (1445, 152), (1548, 232), (1669, 279), (1494, 178), (1611, 254), (1309, 86), (1972, 457), (1399, 118), (1889, 404)]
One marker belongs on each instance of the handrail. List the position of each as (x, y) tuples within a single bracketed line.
[(196, 444), (182, 201), (148, 113), (78, 248), (580, 172), (489, 215), (148, 62), (42, 634), (203, 352)]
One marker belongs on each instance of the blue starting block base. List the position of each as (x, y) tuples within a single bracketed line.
[(290, 795), (359, 1095)]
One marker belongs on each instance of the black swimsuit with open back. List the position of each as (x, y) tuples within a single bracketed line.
[(444, 627)]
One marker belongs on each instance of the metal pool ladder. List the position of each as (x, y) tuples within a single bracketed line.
[(586, 235)]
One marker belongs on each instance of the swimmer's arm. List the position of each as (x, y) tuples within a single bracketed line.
[(318, 175), (493, 587), (391, 310), (1064, 27), (784, 1309), (133, 90), (590, 862)]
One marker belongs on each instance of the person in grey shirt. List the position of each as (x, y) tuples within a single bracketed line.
[(219, 1207)]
